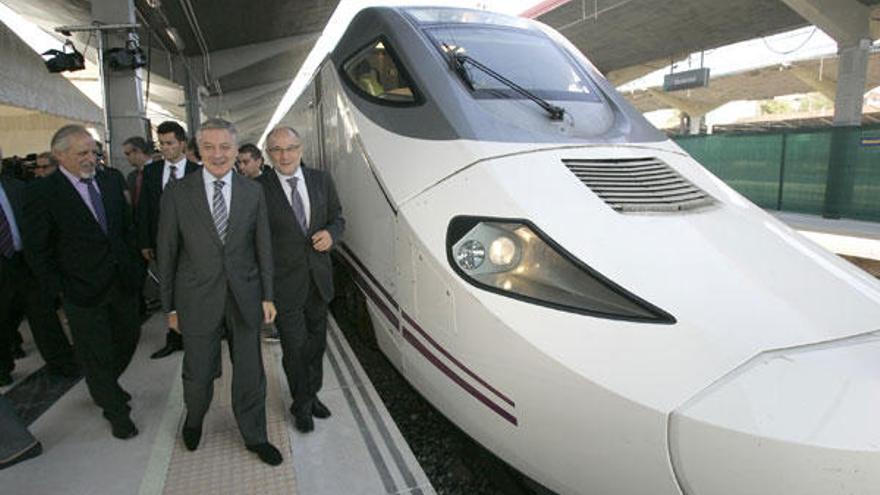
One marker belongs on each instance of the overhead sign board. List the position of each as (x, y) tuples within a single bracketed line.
[(697, 78)]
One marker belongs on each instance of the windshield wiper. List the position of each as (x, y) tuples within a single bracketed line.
[(458, 60)]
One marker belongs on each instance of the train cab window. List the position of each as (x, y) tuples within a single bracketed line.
[(375, 71), (529, 59)]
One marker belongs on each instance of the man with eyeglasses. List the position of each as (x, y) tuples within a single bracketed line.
[(306, 221), (21, 294)]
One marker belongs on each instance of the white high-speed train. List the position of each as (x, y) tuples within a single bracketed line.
[(573, 290)]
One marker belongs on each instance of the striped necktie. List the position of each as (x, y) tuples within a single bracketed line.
[(218, 210), (299, 210)]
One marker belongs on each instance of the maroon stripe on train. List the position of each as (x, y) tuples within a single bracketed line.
[(365, 286), (455, 361), (361, 282), (457, 379), (363, 268)]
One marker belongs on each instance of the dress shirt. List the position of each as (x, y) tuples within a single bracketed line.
[(209, 189), (300, 188), (179, 172), (10, 217), (83, 189)]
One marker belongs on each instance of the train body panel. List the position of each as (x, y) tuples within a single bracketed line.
[(688, 353)]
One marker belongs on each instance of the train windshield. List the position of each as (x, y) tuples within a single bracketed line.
[(527, 58)]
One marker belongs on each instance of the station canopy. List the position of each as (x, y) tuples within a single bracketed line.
[(628, 39), (245, 54)]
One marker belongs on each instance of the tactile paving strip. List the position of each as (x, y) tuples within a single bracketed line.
[(221, 465)]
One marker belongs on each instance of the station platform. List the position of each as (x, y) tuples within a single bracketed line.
[(358, 450), (840, 236)]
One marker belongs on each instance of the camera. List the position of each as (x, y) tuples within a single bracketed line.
[(65, 60)]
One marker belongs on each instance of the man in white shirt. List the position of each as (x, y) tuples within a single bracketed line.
[(306, 222), (157, 177), (215, 268)]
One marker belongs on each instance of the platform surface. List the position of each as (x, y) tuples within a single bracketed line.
[(358, 450)]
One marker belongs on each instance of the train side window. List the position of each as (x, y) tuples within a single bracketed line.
[(375, 71)]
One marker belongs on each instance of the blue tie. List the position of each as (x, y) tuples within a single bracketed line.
[(97, 204)]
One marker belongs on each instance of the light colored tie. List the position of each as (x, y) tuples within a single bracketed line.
[(299, 210), (221, 216)]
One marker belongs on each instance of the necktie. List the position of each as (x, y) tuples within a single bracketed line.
[(138, 184), (221, 216), (97, 204), (171, 176), (7, 247), (299, 210)]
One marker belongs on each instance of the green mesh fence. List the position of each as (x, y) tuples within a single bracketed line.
[(789, 170)]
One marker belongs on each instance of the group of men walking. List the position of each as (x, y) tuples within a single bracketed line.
[(231, 253)]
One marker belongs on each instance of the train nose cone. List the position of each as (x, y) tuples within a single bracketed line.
[(802, 421)]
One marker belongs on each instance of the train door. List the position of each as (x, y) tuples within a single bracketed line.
[(367, 247)]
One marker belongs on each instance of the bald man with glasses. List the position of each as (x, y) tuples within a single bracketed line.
[(306, 222)]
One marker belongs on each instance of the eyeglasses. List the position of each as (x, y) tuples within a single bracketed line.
[(290, 149)]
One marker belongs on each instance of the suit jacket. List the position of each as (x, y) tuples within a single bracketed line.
[(196, 269), (150, 199), (14, 190), (295, 259), (65, 246)]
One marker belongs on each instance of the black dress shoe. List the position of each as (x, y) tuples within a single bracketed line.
[(124, 428), (267, 453), (166, 351), (304, 423), (319, 410), (191, 436)]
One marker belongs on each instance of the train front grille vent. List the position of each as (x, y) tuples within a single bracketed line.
[(637, 185)]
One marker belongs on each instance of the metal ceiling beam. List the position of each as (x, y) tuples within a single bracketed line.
[(690, 107), (225, 62), (236, 99), (620, 77), (847, 21), (820, 83)]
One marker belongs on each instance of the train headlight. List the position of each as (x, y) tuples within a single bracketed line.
[(470, 255), (526, 264), (503, 251)]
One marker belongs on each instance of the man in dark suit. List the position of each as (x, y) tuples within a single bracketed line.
[(21, 293), (137, 152), (80, 243), (215, 267), (306, 220), (157, 176)]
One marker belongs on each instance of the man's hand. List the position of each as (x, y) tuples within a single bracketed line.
[(172, 321), (269, 312), (322, 241), (148, 254)]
